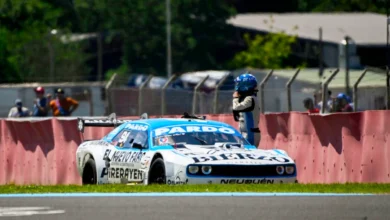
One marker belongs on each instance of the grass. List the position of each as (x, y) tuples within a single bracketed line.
[(312, 188)]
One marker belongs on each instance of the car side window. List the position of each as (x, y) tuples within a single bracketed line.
[(126, 138), (122, 139), (140, 137)]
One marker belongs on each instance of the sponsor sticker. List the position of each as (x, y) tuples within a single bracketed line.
[(177, 182), (138, 127), (188, 129), (123, 172), (124, 156), (163, 139), (237, 156), (100, 142), (247, 181)]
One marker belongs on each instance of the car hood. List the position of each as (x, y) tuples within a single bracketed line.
[(217, 155)]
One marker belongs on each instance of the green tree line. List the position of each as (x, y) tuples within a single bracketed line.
[(35, 43)]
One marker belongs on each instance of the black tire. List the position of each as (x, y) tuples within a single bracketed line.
[(89, 173), (157, 172)]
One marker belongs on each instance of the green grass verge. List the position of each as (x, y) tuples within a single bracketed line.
[(317, 188)]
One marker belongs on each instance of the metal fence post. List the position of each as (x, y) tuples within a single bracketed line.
[(197, 87), (387, 88), (321, 54), (216, 92), (140, 90), (163, 91), (325, 89), (107, 90), (288, 87), (355, 90), (262, 85)]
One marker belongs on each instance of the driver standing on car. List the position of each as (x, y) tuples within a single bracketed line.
[(246, 108)]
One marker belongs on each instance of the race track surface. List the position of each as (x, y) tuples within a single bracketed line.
[(197, 208)]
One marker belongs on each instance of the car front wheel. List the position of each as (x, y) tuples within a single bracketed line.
[(157, 172), (89, 173)]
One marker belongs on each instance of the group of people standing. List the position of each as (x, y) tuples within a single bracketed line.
[(44, 105), (340, 103)]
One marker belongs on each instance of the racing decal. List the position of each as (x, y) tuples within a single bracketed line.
[(127, 157), (100, 142), (122, 140), (138, 127), (187, 129), (247, 181), (238, 156), (106, 154), (145, 161), (177, 180), (121, 172), (124, 156), (163, 140)]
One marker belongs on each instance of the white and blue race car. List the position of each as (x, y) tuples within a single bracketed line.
[(187, 150)]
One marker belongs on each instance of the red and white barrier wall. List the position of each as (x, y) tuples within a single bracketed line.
[(345, 147)]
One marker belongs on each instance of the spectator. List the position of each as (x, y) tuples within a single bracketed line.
[(63, 106), (308, 103), (41, 103), (342, 104), (350, 102), (329, 101), (19, 111)]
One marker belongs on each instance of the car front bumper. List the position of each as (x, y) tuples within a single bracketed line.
[(231, 180)]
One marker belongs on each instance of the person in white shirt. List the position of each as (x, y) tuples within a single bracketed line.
[(329, 101), (19, 110)]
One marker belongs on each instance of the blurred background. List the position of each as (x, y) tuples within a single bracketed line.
[(137, 56)]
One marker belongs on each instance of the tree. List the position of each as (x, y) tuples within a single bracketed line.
[(28, 48), (199, 29), (264, 52)]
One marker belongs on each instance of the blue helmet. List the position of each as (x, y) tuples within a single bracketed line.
[(245, 82), (342, 96)]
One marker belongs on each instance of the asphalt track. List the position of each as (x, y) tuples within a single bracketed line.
[(291, 207)]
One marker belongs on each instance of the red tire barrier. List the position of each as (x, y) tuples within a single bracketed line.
[(337, 148)]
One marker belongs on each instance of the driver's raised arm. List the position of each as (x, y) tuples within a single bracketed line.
[(246, 105)]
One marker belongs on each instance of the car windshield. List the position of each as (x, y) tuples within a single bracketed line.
[(198, 138)]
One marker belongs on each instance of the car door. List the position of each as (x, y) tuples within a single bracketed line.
[(125, 160)]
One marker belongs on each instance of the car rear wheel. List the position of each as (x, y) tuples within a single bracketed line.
[(157, 172), (89, 173)]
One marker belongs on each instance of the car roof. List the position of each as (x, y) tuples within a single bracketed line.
[(163, 122)]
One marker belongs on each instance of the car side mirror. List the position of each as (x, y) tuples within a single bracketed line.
[(137, 146)]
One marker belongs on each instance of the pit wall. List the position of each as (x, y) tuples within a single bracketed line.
[(337, 148)]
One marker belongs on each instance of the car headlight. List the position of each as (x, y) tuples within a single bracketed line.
[(290, 169), (193, 169), (206, 170), (280, 170)]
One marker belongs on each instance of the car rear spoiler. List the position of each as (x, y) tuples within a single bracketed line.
[(110, 121), (186, 115)]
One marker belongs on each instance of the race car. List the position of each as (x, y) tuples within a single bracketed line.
[(187, 150)]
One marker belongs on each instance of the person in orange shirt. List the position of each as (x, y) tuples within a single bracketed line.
[(63, 106)]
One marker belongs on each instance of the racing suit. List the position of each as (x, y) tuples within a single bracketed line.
[(246, 111)]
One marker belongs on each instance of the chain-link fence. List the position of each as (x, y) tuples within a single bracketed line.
[(103, 98), (129, 101), (156, 101)]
